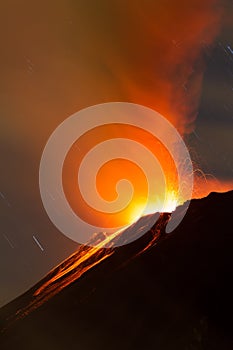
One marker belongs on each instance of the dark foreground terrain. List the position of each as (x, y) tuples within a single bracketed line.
[(177, 295)]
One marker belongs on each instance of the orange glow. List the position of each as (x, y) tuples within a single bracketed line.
[(203, 186), (113, 171), (171, 202), (137, 212)]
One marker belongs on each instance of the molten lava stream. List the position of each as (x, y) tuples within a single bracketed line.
[(88, 256)]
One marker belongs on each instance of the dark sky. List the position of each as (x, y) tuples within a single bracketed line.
[(61, 56)]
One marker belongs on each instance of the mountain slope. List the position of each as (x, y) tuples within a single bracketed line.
[(178, 295)]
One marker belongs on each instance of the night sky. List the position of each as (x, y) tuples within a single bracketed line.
[(59, 57)]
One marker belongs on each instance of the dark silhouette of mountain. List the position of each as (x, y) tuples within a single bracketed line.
[(177, 295)]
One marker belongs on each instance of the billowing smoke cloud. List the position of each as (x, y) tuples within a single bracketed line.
[(154, 51), (63, 56)]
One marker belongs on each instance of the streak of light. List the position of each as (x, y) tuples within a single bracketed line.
[(8, 241), (197, 136), (30, 64), (3, 197), (230, 49), (38, 243)]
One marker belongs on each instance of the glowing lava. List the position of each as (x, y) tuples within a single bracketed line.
[(87, 257)]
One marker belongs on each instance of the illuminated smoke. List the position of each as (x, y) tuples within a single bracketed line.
[(154, 52)]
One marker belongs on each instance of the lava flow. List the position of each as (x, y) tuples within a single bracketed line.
[(88, 256)]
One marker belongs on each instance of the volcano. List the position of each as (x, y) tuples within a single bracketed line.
[(162, 291)]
